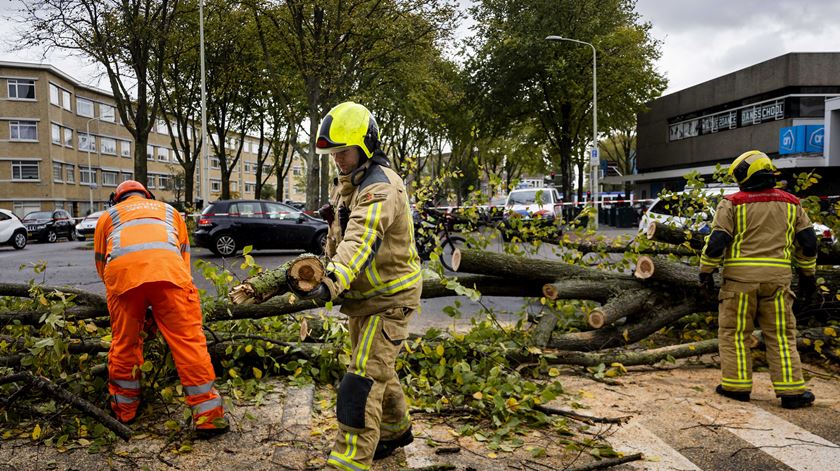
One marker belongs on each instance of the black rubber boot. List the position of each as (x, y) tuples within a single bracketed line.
[(798, 401), (743, 396), (222, 426), (385, 448)]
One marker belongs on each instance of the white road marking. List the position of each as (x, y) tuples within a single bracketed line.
[(784, 441), (633, 437)]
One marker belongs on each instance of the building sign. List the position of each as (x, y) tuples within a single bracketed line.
[(815, 136), (764, 112), (730, 119), (801, 139)]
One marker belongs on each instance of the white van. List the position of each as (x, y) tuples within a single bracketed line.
[(530, 203)]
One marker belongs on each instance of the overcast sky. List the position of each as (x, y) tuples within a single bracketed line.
[(701, 39)]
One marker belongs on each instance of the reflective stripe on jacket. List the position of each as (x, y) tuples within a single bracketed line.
[(375, 260), (140, 241), (763, 226)]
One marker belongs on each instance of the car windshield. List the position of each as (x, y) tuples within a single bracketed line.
[(38, 215), (95, 215), (528, 197)]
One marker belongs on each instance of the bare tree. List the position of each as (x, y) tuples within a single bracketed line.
[(129, 39)]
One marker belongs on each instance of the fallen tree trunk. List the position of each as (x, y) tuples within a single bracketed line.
[(634, 358), (62, 394), (588, 289), (658, 317), (515, 267), (21, 290), (303, 273), (623, 305)]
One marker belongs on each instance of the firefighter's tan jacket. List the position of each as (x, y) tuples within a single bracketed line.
[(763, 226), (374, 262)]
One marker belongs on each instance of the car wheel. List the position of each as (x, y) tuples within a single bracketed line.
[(71, 236), (51, 236), (224, 245), (320, 243), (19, 240), (80, 238)]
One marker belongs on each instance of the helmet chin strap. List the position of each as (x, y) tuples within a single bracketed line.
[(378, 158)]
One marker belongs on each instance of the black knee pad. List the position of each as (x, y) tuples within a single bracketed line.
[(352, 398)]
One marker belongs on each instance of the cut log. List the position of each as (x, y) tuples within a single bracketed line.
[(660, 232), (588, 289), (304, 273), (623, 305), (658, 317)]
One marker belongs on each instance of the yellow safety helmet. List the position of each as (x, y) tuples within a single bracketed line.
[(348, 124), (751, 163)]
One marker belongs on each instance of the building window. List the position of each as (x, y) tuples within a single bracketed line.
[(110, 178), (215, 185), (214, 162), (70, 174), (23, 170), (65, 100), (107, 113), (126, 176), (58, 173), (125, 149), (150, 182), (108, 146), (150, 153), (21, 89), (247, 167), (163, 154), (23, 130), (250, 187), (87, 176), (22, 209), (55, 95), (165, 182), (161, 126), (87, 142), (84, 107), (55, 133), (266, 169), (296, 170), (68, 137), (234, 186)]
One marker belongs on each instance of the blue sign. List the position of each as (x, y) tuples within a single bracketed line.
[(792, 140), (814, 142)]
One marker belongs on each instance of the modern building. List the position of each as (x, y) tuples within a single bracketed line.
[(784, 106), (48, 160)]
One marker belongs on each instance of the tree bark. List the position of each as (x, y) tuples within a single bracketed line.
[(668, 234), (588, 289), (516, 267)]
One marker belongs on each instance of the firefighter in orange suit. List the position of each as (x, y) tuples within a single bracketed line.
[(142, 254), (375, 266), (758, 235)]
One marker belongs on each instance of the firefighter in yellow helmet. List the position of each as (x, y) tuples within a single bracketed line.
[(375, 266), (758, 235)]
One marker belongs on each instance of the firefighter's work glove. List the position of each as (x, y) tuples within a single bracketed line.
[(324, 292), (707, 281), (327, 213)]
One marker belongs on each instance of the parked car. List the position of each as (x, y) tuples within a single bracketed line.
[(677, 212), (535, 203), (87, 226), (12, 231), (226, 226), (48, 226)]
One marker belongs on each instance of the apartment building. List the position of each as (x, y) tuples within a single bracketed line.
[(62, 146)]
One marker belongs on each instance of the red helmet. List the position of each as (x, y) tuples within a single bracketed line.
[(129, 186)]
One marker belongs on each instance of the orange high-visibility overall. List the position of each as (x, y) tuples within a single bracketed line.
[(142, 254)]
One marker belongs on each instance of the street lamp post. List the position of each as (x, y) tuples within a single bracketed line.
[(90, 179), (204, 167), (594, 163)]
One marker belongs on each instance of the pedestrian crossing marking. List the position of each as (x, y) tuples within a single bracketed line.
[(796, 447), (633, 437)]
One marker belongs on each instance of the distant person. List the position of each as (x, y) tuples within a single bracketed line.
[(758, 234), (375, 265), (142, 253)]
